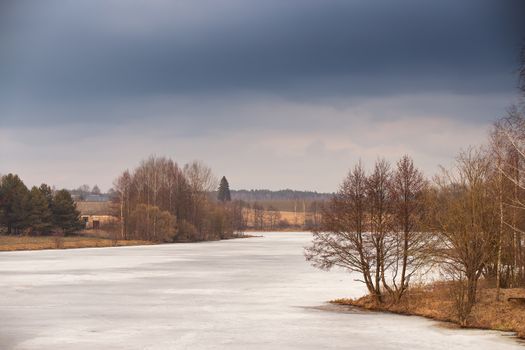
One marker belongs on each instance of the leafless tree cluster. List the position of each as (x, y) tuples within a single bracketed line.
[(469, 221), (258, 216), (477, 213), (159, 201), (463, 217), (374, 226), (313, 217), (273, 218), (508, 159)]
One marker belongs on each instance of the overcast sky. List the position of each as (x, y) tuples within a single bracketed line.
[(270, 93)]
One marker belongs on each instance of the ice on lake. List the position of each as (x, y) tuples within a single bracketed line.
[(255, 293)]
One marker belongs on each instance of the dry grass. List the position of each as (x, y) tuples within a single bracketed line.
[(293, 218), (13, 243), (434, 301)]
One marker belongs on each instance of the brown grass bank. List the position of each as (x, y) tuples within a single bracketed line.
[(13, 243), (93, 239), (434, 301)]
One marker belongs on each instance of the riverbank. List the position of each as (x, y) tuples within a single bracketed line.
[(17, 243), (434, 301)]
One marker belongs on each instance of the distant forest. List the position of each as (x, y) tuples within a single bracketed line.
[(85, 192), (300, 203), (281, 195)]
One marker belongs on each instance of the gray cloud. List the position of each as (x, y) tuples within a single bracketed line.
[(299, 146), (100, 50), (88, 76)]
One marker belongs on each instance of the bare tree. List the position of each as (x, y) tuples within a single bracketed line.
[(238, 217), (273, 217), (465, 222), (508, 148), (122, 186), (343, 240), (201, 182), (258, 216), (200, 177), (316, 213), (412, 248), (380, 225), (374, 226)]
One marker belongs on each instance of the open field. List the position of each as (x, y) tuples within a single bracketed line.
[(12, 243), (292, 220), (434, 301), (255, 293)]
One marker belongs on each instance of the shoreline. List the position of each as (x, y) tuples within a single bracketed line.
[(432, 303), (33, 243), (28, 243)]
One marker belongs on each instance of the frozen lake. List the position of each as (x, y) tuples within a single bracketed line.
[(255, 293)]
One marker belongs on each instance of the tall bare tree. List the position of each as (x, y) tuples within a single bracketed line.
[(343, 239), (413, 246), (466, 222), (380, 220), (508, 148), (122, 186)]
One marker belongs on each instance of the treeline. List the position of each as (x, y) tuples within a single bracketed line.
[(281, 195), (38, 211), (392, 224), (160, 201), (87, 193)]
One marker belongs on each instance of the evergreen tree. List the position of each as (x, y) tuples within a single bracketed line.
[(95, 190), (224, 191), (14, 197), (65, 213), (40, 215), (48, 194)]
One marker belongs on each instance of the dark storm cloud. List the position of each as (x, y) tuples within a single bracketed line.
[(68, 58)]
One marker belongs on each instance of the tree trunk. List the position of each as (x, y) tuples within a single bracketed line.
[(500, 234)]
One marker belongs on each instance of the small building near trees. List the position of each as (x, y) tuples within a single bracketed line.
[(97, 214)]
